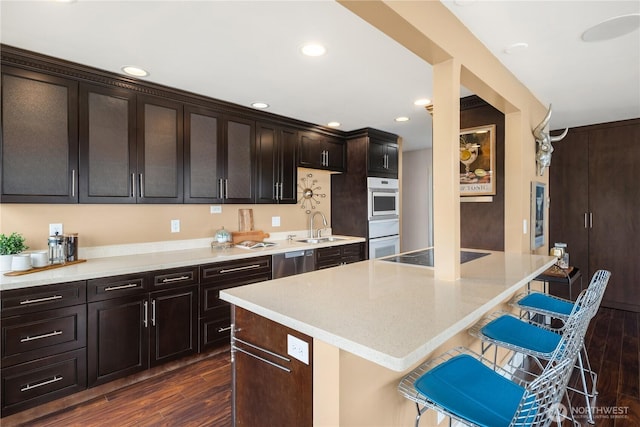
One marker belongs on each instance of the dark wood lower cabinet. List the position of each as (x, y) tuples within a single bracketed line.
[(270, 387), (30, 384), (174, 324), (118, 339), (334, 256)]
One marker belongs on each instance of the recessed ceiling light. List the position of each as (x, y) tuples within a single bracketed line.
[(516, 48), (333, 124), (260, 105), (402, 119), (314, 49), (612, 28), (132, 70), (422, 102)]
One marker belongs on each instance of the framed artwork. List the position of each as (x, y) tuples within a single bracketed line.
[(538, 208), (477, 161)]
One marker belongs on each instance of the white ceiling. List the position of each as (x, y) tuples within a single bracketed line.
[(242, 52)]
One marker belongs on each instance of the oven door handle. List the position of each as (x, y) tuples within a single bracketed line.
[(384, 238)]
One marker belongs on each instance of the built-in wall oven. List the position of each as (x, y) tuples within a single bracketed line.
[(384, 214), (383, 200)]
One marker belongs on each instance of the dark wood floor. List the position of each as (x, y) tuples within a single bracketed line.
[(199, 394)]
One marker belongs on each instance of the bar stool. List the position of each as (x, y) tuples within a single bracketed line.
[(537, 303), (536, 340), (469, 388)]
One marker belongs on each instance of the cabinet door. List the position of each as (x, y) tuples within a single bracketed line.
[(383, 158), (174, 324), (39, 138), (288, 167), (107, 145), (321, 152), (569, 207), (239, 151), (118, 338), (276, 164), (614, 233), (202, 136), (160, 150), (267, 162), (336, 154), (311, 151)]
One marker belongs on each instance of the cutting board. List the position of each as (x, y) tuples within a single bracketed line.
[(48, 267), (257, 235)]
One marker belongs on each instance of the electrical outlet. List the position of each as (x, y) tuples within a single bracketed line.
[(175, 225), (298, 349), (55, 228), (215, 209), (275, 221)]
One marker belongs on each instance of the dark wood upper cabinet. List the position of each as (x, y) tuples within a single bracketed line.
[(276, 164), (320, 151), (383, 157), (71, 133), (108, 166), (160, 150), (237, 171), (203, 152), (39, 138)]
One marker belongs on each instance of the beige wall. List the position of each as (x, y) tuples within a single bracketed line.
[(100, 225), (432, 32)]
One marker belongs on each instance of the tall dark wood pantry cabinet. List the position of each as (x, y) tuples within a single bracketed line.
[(594, 205)]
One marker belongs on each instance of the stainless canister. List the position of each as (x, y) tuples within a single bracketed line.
[(71, 246), (56, 249)]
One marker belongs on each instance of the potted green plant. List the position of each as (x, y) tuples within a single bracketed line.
[(9, 246)]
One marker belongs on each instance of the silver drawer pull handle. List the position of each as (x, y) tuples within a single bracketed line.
[(28, 387), (246, 267), (175, 279), (228, 328), (33, 301), (116, 288), (39, 337)]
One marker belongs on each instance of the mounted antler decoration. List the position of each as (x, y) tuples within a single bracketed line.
[(544, 140)]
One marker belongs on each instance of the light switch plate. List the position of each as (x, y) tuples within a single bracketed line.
[(298, 349), (275, 221), (215, 209), (175, 225)]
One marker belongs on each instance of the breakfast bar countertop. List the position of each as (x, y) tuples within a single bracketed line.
[(389, 313)]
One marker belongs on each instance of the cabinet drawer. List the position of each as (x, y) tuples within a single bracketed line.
[(29, 300), (116, 286), (328, 253), (41, 334), (215, 333), (210, 293), (175, 277), (230, 270), (34, 383), (352, 250)]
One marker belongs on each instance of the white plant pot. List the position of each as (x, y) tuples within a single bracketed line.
[(5, 262)]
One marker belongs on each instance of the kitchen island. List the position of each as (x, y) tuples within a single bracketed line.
[(371, 322)]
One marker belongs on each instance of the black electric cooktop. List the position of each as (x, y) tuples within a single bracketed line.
[(424, 257)]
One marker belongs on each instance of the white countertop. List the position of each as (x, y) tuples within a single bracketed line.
[(136, 263), (391, 314)]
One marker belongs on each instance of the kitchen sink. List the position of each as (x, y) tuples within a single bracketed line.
[(321, 239)]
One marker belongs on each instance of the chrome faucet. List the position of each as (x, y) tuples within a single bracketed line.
[(324, 222)]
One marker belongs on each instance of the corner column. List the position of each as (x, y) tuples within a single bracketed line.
[(446, 170)]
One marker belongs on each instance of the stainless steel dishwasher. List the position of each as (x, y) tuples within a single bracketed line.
[(294, 262)]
